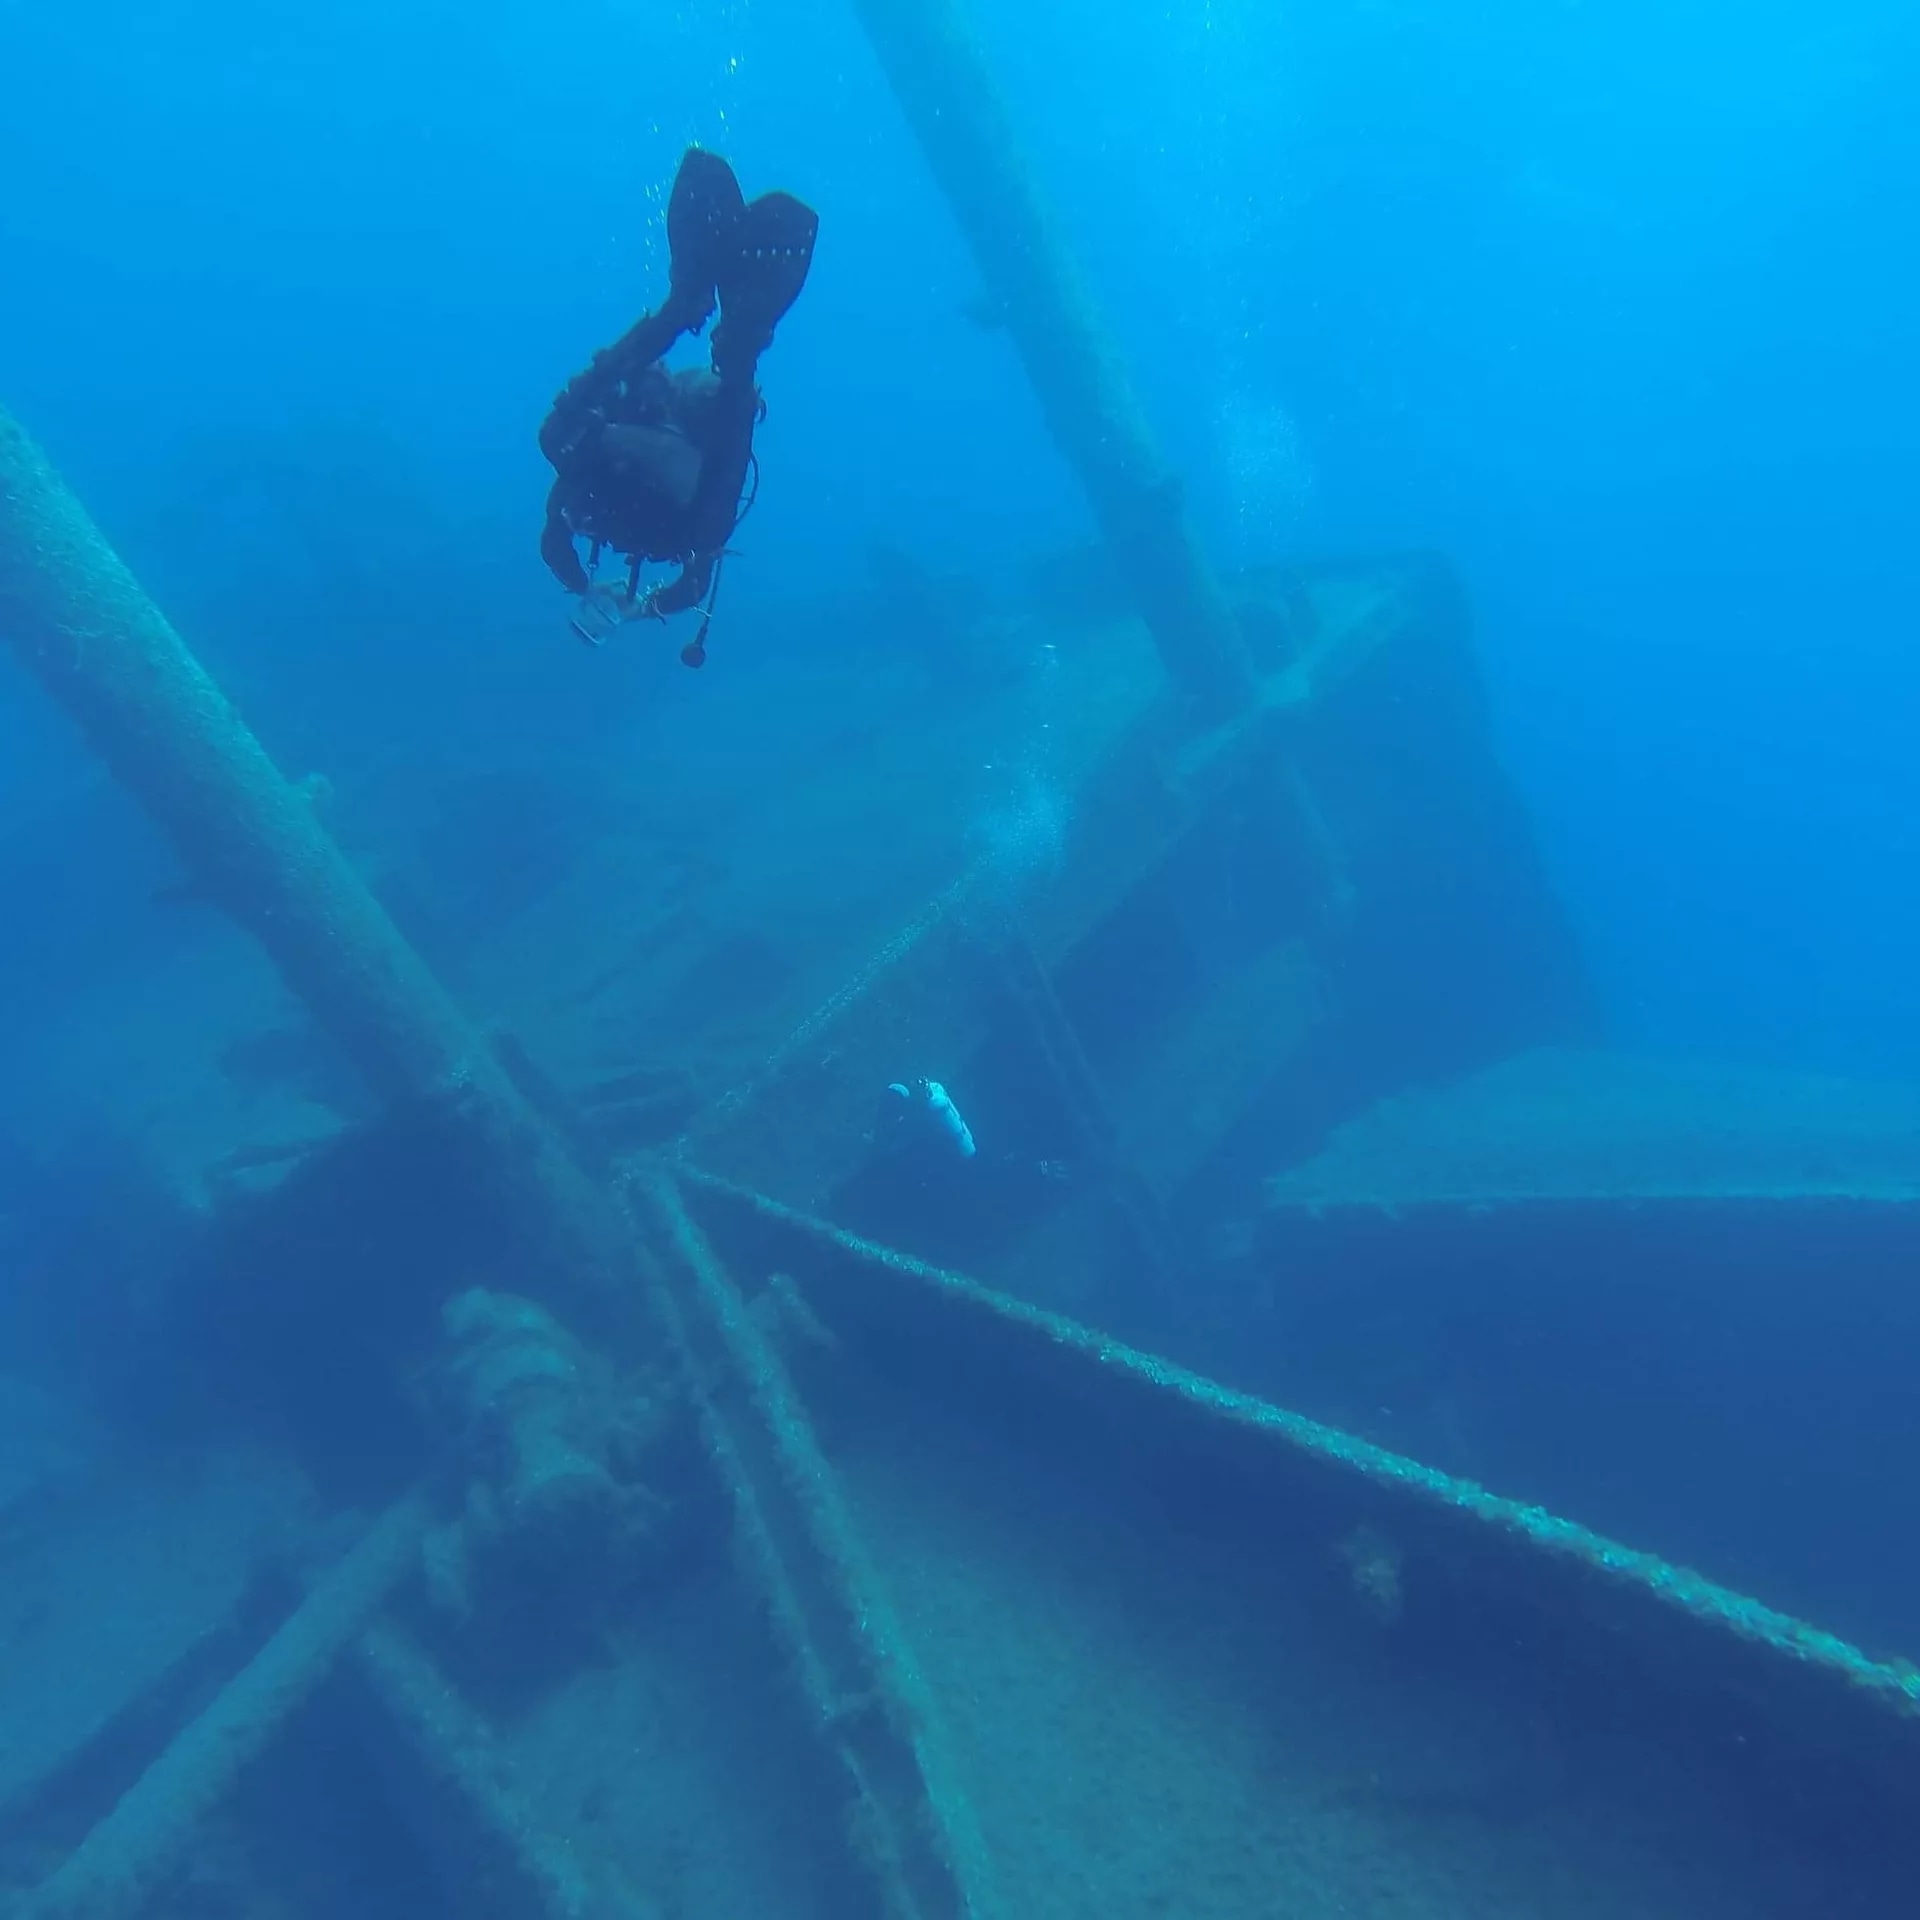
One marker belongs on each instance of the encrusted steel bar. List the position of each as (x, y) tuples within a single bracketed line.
[(939, 73), (1151, 1388), (117, 1869), (913, 1828), (78, 621), (525, 1869)]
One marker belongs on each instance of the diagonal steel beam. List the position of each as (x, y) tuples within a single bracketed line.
[(125, 1860), (794, 1126), (940, 76), (1683, 1630), (915, 1829), (78, 621), (81, 625), (524, 1869)]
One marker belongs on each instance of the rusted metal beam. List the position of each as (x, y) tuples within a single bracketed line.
[(119, 1867), (524, 1868), (1684, 1631), (796, 1123), (914, 1830), (75, 617), (939, 74)]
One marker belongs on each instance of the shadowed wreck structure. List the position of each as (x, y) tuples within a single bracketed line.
[(729, 1524)]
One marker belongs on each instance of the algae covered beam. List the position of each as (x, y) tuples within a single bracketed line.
[(510, 1862), (939, 73), (128, 1858), (1670, 1626), (913, 1828), (78, 621)]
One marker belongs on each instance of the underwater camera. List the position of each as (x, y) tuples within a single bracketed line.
[(598, 612)]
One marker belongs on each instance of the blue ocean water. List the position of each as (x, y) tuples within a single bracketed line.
[(1606, 306), (1514, 1072)]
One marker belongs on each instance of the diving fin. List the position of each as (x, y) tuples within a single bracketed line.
[(702, 214), (761, 273)]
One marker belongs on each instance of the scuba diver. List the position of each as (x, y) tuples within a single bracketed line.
[(655, 465), (922, 1154)]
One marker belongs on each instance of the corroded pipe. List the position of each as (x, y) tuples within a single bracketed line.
[(1154, 1397), (939, 74), (914, 1829), (129, 1856), (78, 621), (525, 1867)]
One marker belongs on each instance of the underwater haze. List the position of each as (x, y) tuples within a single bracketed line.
[(1169, 1168), (1610, 304)]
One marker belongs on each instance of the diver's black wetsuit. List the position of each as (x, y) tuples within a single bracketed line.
[(653, 464)]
